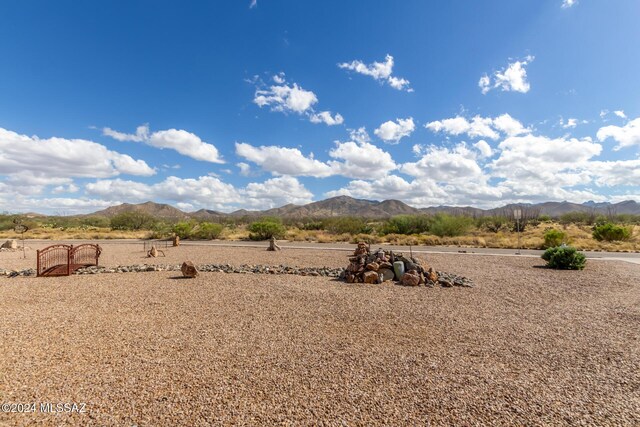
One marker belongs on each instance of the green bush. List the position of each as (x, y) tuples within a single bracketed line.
[(553, 238), (207, 231), (611, 232), (346, 224), (564, 258), (132, 221), (447, 225), (406, 224), (266, 228), (182, 229), (587, 218)]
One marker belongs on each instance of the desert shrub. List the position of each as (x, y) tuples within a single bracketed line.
[(346, 224), (312, 226), (492, 223), (544, 218), (207, 231), (406, 224), (448, 225), (132, 221), (96, 221), (6, 222), (587, 218), (266, 228), (611, 232), (564, 258), (182, 229), (553, 238), (626, 219)]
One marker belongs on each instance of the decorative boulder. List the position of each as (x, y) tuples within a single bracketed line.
[(153, 252), (273, 245), (189, 269), (386, 273), (411, 278), (398, 268), (370, 277), (176, 241), (10, 244)]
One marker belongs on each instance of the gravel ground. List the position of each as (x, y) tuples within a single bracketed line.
[(526, 346)]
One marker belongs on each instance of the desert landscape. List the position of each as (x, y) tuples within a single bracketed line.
[(525, 345)]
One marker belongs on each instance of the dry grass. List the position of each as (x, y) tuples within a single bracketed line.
[(526, 346)]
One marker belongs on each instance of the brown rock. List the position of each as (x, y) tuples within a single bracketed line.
[(370, 277), (189, 269), (362, 249), (432, 275), (386, 264), (373, 266), (411, 278), (176, 240), (153, 252), (273, 245)]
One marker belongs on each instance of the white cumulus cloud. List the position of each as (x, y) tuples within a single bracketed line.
[(512, 78), (185, 143), (283, 160), (380, 71), (626, 136), (479, 127), (56, 161), (392, 132), (291, 98)]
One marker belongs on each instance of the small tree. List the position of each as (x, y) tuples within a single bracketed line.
[(266, 228), (207, 231), (447, 225), (182, 229), (564, 258)]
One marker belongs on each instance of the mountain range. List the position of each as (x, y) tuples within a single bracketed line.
[(348, 206)]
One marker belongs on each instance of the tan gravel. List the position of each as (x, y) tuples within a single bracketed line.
[(526, 346)]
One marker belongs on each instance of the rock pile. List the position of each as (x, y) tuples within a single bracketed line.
[(381, 266)]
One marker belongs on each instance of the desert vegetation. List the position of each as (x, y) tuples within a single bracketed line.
[(583, 231)]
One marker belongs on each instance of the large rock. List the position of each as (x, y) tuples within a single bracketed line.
[(189, 269), (386, 273), (10, 244), (411, 278), (370, 277), (398, 268), (176, 241), (153, 252)]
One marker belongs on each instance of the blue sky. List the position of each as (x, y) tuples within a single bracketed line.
[(228, 105)]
